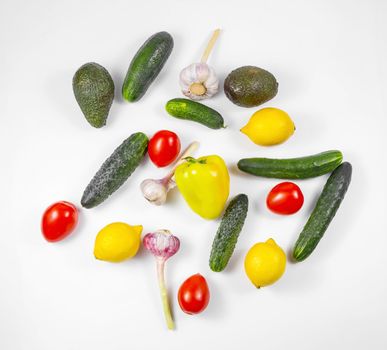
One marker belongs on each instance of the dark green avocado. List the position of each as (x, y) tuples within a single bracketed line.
[(250, 86), (94, 91)]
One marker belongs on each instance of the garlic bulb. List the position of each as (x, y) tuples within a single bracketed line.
[(199, 81), (155, 191), (162, 244)]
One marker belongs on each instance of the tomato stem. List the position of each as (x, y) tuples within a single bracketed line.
[(164, 293)]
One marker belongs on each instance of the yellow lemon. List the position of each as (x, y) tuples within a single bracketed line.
[(265, 263), (269, 126), (117, 241)]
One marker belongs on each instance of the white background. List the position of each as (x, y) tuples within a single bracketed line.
[(330, 60)]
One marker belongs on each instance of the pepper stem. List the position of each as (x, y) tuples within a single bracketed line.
[(210, 46), (187, 152), (164, 294)]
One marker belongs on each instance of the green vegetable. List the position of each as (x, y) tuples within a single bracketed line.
[(115, 170), (94, 91), (228, 232), (324, 211), (250, 86), (292, 168), (184, 108), (146, 65)]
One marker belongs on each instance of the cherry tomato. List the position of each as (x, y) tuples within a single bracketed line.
[(59, 220), (194, 294), (163, 148), (285, 198)]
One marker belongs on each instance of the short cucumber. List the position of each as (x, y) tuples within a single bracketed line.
[(228, 232), (146, 65), (115, 170), (292, 168), (184, 108), (324, 211)]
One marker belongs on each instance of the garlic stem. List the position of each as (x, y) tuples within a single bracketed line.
[(164, 293), (210, 46), (187, 152)]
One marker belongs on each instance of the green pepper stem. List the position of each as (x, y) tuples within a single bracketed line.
[(164, 293)]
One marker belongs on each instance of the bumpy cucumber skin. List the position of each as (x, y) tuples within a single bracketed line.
[(115, 170), (94, 91), (292, 168), (146, 65), (228, 232), (326, 207), (184, 108)]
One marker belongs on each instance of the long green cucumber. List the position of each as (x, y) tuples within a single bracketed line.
[(292, 168), (115, 170), (228, 232), (326, 207), (146, 65), (184, 108)]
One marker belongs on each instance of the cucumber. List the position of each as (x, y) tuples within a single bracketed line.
[(115, 170), (324, 211), (228, 232), (292, 168), (184, 108), (146, 65)]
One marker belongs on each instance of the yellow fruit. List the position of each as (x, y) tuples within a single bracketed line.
[(117, 241), (269, 126), (265, 263)]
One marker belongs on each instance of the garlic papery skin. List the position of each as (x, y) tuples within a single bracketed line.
[(156, 191), (162, 244), (198, 81)]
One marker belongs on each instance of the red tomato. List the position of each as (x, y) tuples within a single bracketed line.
[(285, 198), (194, 294), (163, 148), (58, 221)]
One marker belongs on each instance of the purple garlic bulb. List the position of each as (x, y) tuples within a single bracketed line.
[(161, 243)]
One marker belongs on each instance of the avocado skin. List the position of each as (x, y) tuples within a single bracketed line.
[(250, 86), (94, 91), (146, 65)]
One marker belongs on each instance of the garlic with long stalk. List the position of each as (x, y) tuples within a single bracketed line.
[(199, 81), (156, 190), (162, 244)]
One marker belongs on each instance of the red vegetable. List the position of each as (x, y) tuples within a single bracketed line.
[(285, 198), (59, 220), (194, 294), (163, 148)]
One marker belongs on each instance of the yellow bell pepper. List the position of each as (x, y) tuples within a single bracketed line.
[(204, 184)]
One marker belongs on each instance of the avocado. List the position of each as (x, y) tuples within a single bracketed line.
[(94, 91), (250, 86)]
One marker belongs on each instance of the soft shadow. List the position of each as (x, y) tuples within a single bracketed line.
[(216, 307), (234, 261)]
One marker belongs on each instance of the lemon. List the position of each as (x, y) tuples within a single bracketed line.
[(265, 263), (117, 241), (269, 126)]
